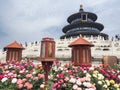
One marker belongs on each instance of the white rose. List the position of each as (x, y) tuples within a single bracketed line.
[(50, 76), (94, 75), (4, 79), (100, 82), (119, 76), (14, 80), (42, 86), (34, 73), (55, 68), (88, 75), (95, 72), (87, 84), (100, 76), (75, 87), (60, 68), (72, 80), (78, 83), (108, 83), (66, 70), (91, 68), (105, 86), (84, 71), (87, 79), (26, 71)]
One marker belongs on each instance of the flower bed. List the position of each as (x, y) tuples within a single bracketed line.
[(25, 75), (22, 75), (69, 77)]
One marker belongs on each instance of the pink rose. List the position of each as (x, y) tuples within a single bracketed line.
[(70, 72), (40, 76), (1, 77), (60, 81), (30, 86), (29, 76), (35, 78), (55, 85), (82, 79), (92, 86), (22, 71), (20, 86), (19, 81), (24, 80), (14, 75), (61, 75), (66, 79), (58, 86)]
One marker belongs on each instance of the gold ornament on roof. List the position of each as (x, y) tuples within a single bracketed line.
[(81, 6)]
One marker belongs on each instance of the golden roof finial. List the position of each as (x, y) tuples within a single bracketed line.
[(81, 6)]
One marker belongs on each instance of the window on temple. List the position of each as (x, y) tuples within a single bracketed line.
[(84, 17)]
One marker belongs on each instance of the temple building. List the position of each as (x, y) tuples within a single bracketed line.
[(83, 23)]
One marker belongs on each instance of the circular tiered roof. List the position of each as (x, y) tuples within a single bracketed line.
[(83, 23), (78, 15)]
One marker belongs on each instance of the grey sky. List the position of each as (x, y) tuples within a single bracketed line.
[(30, 20)]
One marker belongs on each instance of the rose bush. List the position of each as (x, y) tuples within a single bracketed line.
[(69, 77), (22, 75), (25, 75)]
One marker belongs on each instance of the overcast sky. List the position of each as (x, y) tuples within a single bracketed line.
[(31, 20)]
